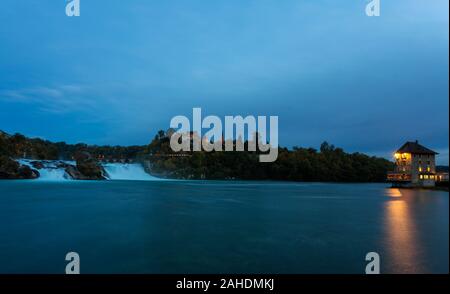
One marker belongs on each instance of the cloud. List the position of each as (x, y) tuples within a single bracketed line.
[(58, 100)]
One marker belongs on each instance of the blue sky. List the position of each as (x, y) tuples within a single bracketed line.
[(123, 69)]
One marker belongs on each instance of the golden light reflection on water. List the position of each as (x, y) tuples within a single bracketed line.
[(394, 192), (401, 239)]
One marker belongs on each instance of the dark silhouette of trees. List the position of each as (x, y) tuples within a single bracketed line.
[(328, 164)]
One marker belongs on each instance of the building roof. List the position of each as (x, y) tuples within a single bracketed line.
[(415, 148)]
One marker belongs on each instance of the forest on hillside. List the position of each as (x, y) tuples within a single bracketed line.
[(328, 164)]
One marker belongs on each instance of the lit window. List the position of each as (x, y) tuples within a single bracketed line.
[(421, 177), (428, 169), (420, 168), (426, 177)]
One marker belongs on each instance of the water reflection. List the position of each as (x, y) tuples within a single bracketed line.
[(393, 192), (400, 234)]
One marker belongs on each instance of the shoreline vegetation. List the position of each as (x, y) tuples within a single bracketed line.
[(328, 164)]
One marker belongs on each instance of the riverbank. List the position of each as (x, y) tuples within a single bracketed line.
[(326, 164)]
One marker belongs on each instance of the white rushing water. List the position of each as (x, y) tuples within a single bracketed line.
[(50, 172), (130, 171), (53, 175), (115, 171)]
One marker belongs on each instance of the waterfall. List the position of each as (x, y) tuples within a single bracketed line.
[(54, 171), (53, 174), (124, 171)]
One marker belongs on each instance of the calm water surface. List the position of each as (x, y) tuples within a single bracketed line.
[(220, 227)]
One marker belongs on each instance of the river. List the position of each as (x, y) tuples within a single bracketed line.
[(220, 227)]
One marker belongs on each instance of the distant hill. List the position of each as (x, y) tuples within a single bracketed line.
[(328, 164)]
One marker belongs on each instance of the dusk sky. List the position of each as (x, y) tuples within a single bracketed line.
[(119, 72)]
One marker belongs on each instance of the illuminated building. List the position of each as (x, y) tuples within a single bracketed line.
[(415, 166)]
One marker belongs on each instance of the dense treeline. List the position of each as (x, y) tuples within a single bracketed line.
[(19, 146), (329, 164), (106, 153)]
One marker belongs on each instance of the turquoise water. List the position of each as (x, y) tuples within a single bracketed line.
[(220, 227)]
